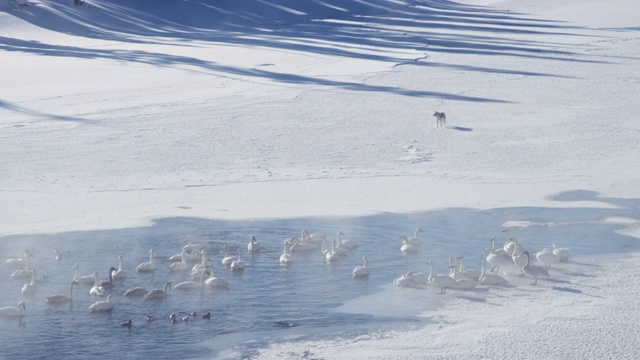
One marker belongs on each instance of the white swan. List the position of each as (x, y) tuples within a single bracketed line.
[(119, 274), (159, 293), (420, 278), (22, 273), (496, 258), (346, 243), (406, 280), (333, 254), (89, 279), (462, 283), (519, 260), (561, 253), (312, 238), (191, 247), (30, 288), (102, 305), (285, 258), (136, 291), (238, 264), (200, 268), (440, 281), (59, 299), (415, 240), (471, 274), (533, 270), (253, 246), (215, 281), (512, 245), (96, 289), (227, 259), (295, 245), (191, 285), (13, 311), (19, 263), (363, 270), (406, 247), (547, 257), (490, 279), (148, 266), (181, 265)]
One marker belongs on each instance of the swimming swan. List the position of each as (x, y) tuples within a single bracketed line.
[(96, 289), (406, 247), (312, 238), (136, 291), (148, 266), (102, 305), (159, 293), (238, 264), (215, 281), (285, 258), (415, 240), (119, 273), (60, 299), (253, 245), (346, 243), (13, 311), (361, 270), (82, 279), (182, 265), (30, 288), (227, 259)]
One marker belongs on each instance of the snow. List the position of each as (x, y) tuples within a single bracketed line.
[(114, 116)]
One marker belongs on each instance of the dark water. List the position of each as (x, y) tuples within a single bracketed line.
[(266, 302)]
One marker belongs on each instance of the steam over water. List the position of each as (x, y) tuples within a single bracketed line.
[(266, 302)]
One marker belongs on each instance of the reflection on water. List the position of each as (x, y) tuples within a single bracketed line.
[(266, 302)]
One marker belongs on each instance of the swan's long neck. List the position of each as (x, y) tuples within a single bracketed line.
[(77, 275), (364, 261), (33, 278), (461, 263), (151, 257), (482, 270), (431, 273), (120, 263), (71, 289), (528, 259)]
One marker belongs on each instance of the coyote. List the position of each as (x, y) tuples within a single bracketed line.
[(441, 119)]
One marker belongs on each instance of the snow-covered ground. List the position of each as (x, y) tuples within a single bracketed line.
[(115, 114)]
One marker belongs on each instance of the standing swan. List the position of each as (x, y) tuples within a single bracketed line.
[(363, 270), (13, 311), (533, 270), (253, 245), (60, 299), (148, 266), (102, 305), (441, 281)]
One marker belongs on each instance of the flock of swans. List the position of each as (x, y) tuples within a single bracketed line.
[(194, 260), (512, 254)]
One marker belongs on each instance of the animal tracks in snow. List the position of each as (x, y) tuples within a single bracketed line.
[(414, 155)]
